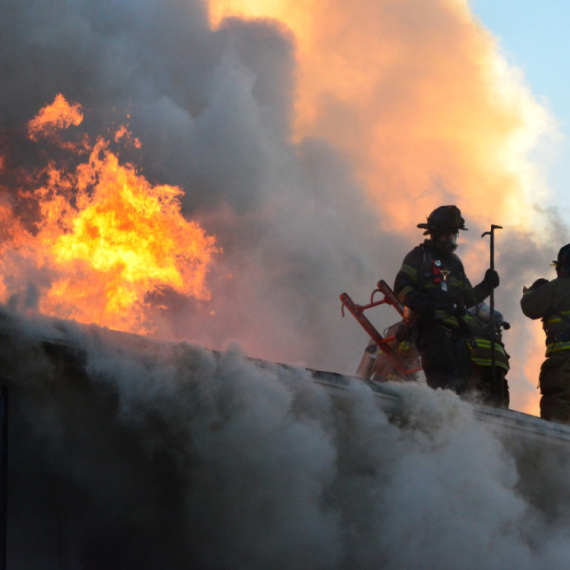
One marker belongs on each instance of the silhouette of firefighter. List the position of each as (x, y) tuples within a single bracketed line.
[(550, 301), (488, 379), (432, 283)]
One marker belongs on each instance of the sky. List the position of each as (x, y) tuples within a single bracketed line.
[(533, 36)]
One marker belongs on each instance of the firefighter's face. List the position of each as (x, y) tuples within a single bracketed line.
[(559, 271), (446, 240)]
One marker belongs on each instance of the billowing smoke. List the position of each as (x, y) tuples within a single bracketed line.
[(128, 453), (309, 141)]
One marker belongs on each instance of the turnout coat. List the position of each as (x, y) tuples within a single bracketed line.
[(550, 301), (441, 277)]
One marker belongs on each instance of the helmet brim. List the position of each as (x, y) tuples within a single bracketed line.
[(426, 227)]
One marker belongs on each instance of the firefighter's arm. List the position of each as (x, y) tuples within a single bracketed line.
[(537, 299), (406, 284), (406, 287)]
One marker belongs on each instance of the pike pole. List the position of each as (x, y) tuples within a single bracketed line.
[(498, 390)]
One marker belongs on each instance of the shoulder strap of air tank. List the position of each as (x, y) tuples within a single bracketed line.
[(427, 258)]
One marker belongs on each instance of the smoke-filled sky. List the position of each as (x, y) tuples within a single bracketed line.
[(309, 139)]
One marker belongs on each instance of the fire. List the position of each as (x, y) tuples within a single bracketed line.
[(60, 114), (107, 239), (124, 133)]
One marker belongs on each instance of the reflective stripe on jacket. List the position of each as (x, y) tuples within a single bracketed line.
[(480, 344), (551, 303), (481, 353)]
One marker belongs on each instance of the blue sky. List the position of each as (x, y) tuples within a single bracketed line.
[(533, 35)]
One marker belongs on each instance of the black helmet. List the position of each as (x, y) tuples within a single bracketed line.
[(444, 218), (563, 257)]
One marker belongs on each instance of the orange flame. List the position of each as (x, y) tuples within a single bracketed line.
[(108, 239), (123, 133), (59, 115)]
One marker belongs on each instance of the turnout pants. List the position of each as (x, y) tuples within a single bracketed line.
[(445, 357), (555, 388), (483, 383)]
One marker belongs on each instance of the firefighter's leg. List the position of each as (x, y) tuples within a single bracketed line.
[(445, 358), (462, 361), (478, 386), (482, 382), (555, 389), (504, 399)]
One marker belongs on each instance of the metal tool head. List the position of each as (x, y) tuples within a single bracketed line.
[(493, 228)]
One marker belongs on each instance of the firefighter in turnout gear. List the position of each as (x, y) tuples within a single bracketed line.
[(433, 284), (550, 301), (488, 387)]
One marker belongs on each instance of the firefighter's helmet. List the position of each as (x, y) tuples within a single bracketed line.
[(563, 259), (444, 218), (482, 311)]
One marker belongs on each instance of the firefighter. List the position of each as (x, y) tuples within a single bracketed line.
[(433, 284), (489, 386), (374, 364), (550, 301)]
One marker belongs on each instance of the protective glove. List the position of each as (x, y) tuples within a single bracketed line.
[(424, 308), (491, 278)]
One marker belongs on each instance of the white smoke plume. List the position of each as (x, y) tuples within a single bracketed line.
[(128, 453)]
